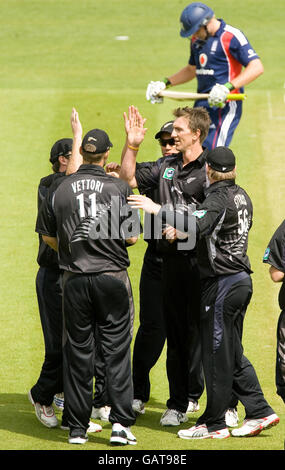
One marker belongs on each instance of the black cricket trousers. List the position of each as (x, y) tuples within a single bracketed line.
[(97, 300), (150, 337), (280, 356), (181, 304), (49, 294), (226, 369)]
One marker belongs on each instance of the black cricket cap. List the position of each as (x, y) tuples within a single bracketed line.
[(167, 127), (96, 141), (221, 159), (61, 147)]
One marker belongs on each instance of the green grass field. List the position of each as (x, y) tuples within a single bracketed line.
[(56, 54)]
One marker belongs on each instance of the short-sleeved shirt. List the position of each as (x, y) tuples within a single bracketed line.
[(275, 256), (221, 57), (89, 215), (47, 257), (177, 185)]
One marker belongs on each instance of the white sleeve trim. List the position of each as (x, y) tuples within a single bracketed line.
[(238, 34)]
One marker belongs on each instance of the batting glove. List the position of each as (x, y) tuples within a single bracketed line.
[(218, 94), (152, 91)]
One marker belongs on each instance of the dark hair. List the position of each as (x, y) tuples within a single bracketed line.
[(90, 157), (198, 118), (55, 166)]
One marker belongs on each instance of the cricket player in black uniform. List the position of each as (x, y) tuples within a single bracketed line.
[(179, 179), (150, 337), (86, 219), (49, 294), (221, 225), (275, 256)]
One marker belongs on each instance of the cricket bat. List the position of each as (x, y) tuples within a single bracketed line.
[(184, 95)]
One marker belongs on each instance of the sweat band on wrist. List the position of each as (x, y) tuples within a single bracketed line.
[(133, 148), (230, 86), (167, 82)]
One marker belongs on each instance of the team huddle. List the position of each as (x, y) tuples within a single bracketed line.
[(195, 283)]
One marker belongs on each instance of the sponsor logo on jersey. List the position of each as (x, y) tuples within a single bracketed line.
[(204, 72), (200, 213), (191, 179), (266, 254), (168, 173), (251, 53), (203, 59), (214, 46)]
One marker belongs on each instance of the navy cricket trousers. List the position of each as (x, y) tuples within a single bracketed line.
[(227, 370)]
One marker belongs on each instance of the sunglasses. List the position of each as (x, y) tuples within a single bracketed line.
[(165, 142)]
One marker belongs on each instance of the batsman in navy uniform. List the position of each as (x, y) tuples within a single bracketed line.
[(221, 226), (86, 220), (49, 295), (222, 60), (275, 256)]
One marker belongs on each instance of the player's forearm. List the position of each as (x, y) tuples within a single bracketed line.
[(75, 159), (51, 241), (253, 70), (276, 275), (184, 75), (128, 164)]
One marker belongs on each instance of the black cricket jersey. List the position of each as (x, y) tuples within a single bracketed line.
[(275, 256), (89, 215), (176, 185), (152, 193), (222, 226), (47, 257)]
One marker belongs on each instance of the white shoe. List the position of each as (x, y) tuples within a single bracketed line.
[(193, 406), (231, 418), (122, 435), (252, 427), (101, 413), (58, 400), (201, 432), (94, 427), (138, 406), (78, 439), (45, 414), (173, 418)]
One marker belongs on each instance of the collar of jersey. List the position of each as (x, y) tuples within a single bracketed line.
[(219, 184), (221, 28), (86, 168), (200, 160)]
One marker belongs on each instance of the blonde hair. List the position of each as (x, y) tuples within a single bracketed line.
[(220, 176)]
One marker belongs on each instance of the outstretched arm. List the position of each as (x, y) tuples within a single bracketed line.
[(135, 132), (75, 159)]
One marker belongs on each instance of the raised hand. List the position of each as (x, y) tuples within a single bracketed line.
[(134, 126)]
